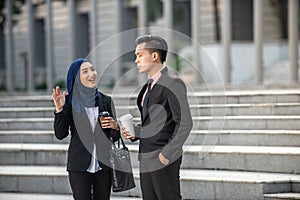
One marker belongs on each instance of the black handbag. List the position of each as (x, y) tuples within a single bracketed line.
[(122, 175)]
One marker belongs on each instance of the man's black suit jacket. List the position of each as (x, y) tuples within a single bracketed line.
[(168, 121)]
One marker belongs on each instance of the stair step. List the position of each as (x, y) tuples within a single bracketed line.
[(228, 109), (209, 184), (200, 123), (26, 124), (210, 97), (245, 158), (29, 136), (43, 179), (245, 137), (246, 122), (245, 109), (197, 110), (33, 154), (236, 184), (26, 112), (32, 196), (197, 137), (279, 196), (248, 96), (222, 97), (27, 101)]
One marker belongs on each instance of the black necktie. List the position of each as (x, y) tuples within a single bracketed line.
[(145, 105)]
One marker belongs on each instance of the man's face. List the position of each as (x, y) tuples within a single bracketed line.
[(88, 75), (144, 59)]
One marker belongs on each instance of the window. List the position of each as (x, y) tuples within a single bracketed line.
[(242, 20), (39, 43), (2, 48), (82, 36)]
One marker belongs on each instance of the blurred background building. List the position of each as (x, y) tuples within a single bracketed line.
[(248, 41)]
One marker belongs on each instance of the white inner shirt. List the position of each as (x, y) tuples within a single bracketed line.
[(93, 114)]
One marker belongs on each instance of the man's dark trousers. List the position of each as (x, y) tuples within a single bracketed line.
[(162, 184)]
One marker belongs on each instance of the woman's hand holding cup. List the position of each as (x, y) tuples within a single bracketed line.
[(108, 122)]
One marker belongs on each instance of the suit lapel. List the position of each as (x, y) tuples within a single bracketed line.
[(140, 97), (141, 94)]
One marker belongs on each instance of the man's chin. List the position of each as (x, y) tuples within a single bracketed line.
[(141, 71)]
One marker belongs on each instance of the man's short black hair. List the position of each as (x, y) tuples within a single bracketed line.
[(154, 43)]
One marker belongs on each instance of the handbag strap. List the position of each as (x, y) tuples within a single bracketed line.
[(114, 145)]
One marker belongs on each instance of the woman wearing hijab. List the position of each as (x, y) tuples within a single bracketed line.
[(77, 113)]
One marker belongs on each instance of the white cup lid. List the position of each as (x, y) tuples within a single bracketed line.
[(126, 117)]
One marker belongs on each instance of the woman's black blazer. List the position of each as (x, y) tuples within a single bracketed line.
[(82, 138)]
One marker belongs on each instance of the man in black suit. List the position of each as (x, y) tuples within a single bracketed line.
[(165, 122)]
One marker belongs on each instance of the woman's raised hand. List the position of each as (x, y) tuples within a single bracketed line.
[(58, 99)]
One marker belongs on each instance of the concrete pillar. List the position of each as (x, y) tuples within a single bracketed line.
[(143, 30), (293, 31), (258, 39), (49, 46), (142, 16), (226, 40), (93, 30), (9, 47), (117, 67), (72, 29), (195, 36), (168, 15), (31, 54)]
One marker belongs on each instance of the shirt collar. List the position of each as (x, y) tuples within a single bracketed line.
[(156, 76)]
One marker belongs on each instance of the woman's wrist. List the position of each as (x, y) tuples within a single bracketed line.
[(58, 109), (117, 128)]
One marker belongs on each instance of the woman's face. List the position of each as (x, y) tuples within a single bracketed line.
[(88, 75)]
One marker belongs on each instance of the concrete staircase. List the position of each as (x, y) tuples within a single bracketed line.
[(244, 145)]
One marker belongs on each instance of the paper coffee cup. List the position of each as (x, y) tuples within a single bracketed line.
[(127, 122)]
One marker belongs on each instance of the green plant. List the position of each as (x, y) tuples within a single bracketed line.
[(18, 89), (41, 86), (16, 8), (2, 88), (61, 84), (111, 84), (154, 10), (176, 62)]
